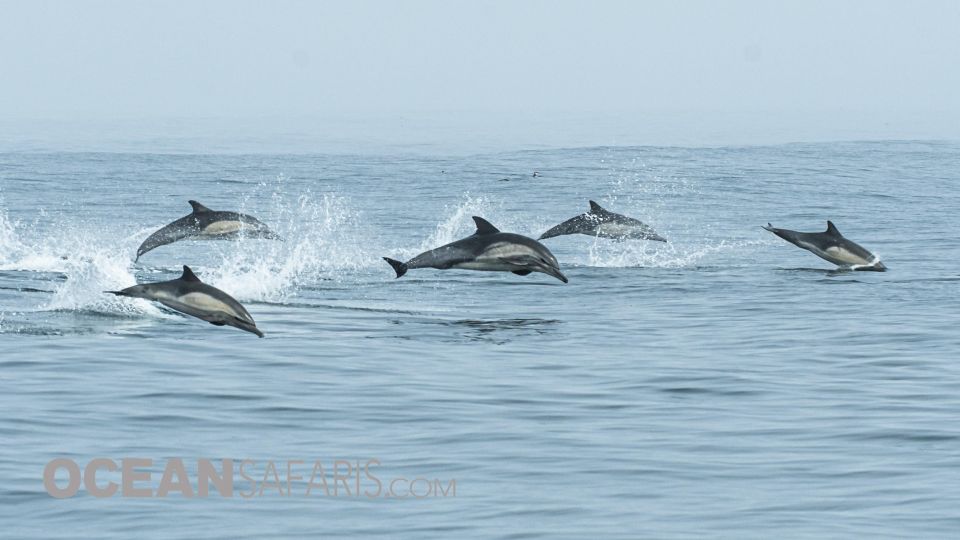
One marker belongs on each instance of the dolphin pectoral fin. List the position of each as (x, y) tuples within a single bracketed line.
[(398, 267), (523, 272)]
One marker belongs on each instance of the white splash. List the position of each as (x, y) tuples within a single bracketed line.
[(459, 222), (322, 240), (10, 246)]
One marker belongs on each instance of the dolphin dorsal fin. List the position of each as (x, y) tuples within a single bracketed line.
[(596, 208), (484, 226), (188, 275), (832, 229), (198, 208)]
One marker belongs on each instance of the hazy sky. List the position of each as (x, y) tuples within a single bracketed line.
[(129, 59), (230, 58)]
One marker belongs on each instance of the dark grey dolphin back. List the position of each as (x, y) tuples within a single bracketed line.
[(189, 282), (194, 224), (830, 245)]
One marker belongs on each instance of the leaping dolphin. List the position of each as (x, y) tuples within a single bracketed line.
[(487, 249), (830, 245), (210, 224), (187, 294), (604, 224)]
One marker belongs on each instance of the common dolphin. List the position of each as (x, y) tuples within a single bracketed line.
[(830, 245), (490, 250), (187, 294), (604, 224), (206, 223)]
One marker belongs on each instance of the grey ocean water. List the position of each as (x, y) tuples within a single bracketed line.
[(723, 384)]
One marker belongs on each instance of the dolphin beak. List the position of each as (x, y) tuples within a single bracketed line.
[(555, 272)]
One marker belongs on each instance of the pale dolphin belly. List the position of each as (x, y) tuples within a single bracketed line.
[(208, 303), (613, 230), (496, 257), (219, 228), (492, 265), (846, 257)]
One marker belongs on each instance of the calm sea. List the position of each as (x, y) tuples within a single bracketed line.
[(724, 384)]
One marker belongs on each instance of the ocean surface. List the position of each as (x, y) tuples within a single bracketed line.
[(724, 384)]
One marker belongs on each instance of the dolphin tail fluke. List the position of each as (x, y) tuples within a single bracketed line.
[(559, 230), (398, 267), (270, 235)]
